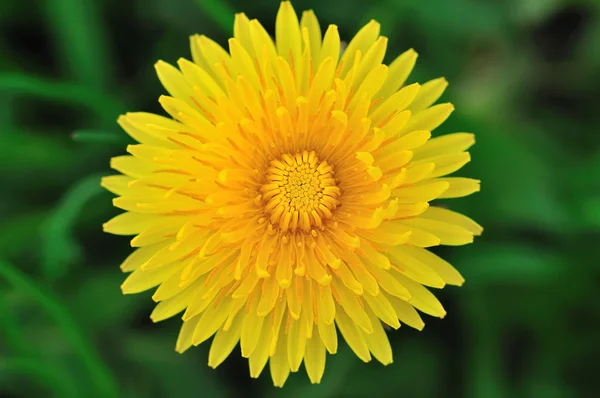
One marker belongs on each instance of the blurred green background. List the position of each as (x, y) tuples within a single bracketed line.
[(524, 76)]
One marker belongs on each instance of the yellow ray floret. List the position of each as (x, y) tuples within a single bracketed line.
[(286, 200)]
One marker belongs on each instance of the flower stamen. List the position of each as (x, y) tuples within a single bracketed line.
[(300, 186)]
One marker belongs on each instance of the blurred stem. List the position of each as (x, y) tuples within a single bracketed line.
[(81, 40), (485, 376), (12, 335), (45, 373), (6, 111), (220, 12), (95, 100), (101, 137), (104, 384)]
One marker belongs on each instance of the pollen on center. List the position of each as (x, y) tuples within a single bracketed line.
[(300, 191)]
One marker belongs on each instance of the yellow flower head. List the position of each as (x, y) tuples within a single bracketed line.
[(286, 199)]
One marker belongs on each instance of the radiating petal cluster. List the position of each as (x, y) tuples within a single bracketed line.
[(286, 200)]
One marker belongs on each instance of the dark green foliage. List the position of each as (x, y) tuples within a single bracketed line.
[(524, 77)]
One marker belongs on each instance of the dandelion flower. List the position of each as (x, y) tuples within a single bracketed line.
[(285, 201)]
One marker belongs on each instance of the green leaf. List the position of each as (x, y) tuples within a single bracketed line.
[(59, 249), (103, 384)]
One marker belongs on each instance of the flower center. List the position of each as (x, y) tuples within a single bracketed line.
[(300, 191)]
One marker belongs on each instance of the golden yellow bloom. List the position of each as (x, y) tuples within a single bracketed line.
[(287, 197)]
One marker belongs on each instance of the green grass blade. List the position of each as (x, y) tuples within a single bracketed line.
[(104, 385), (220, 12), (59, 248), (80, 40), (46, 374), (97, 101), (11, 333)]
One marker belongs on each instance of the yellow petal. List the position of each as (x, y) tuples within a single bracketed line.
[(287, 33), (398, 72), (331, 46), (198, 77), (389, 283), (140, 280), (310, 22), (406, 313), (177, 252), (429, 118), (174, 305), (429, 93), (296, 343), (451, 217), (446, 271), (378, 342), (184, 340), (449, 143), (262, 40), (268, 299), (170, 287), (314, 359), (381, 307), (349, 302), (280, 368), (414, 269), (174, 81), (326, 305), (353, 335), (213, 55), (241, 32), (139, 256), (328, 334), (348, 279), (364, 39), (458, 187), (129, 223), (132, 166), (251, 329), (162, 229), (418, 172), (397, 102), (259, 357), (422, 299), (224, 342), (117, 184), (413, 140), (372, 61), (211, 320), (276, 322), (449, 234), (244, 63), (142, 127), (447, 164), (421, 192)]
